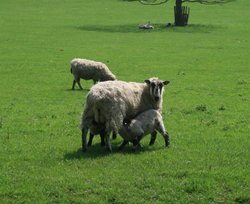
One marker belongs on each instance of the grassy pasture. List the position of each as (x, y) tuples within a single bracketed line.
[(206, 105)]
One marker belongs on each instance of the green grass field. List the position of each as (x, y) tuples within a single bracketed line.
[(206, 105)]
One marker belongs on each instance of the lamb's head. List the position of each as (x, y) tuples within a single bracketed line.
[(156, 87)]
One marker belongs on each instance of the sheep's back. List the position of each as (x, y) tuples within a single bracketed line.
[(88, 69), (147, 120), (115, 100)]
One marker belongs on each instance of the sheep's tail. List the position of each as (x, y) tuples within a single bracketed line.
[(71, 65), (112, 119), (86, 117)]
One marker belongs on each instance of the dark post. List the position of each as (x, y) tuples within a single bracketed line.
[(181, 13)]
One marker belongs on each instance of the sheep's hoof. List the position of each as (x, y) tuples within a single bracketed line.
[(109, 150), (121, 147), (167, 143), (84, 149), (136, 148)]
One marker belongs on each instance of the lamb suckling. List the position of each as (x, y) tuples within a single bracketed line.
[(89, 70), (112, 102), (148, 122)]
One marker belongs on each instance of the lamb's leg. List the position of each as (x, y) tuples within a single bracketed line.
[(153, 137), (107, 141), (161, 128), (124, 143), (136, 143), (73, 85), (90, 139), (84, 134)]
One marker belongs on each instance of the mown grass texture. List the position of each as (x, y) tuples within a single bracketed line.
[(206, 105)]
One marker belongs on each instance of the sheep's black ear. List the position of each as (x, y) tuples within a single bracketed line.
[(166, 82), (147, 81)]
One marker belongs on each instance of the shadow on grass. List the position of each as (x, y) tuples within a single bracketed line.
[(96, 151), (129, 0), (133, 28), (84, 89)]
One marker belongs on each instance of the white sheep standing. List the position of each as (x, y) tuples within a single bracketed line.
[(112, 102), (89, 69), (148, 122)]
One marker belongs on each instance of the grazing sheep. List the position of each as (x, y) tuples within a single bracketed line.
[(88, 69), (112, 102), (148, 122)]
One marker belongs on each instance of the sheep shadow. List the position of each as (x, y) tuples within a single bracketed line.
[(96, 151), (133, 28), (84, 89)]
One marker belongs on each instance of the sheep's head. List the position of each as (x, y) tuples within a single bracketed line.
[(156, 87), (110, 77)]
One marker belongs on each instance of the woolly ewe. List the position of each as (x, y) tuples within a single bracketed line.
[(112, 102), (89, 69)]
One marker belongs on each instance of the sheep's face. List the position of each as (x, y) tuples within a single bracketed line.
[(156, 87), (110, 78)]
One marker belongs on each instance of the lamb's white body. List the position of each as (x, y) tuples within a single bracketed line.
[(148, 122), (112, 102), (90, 70)]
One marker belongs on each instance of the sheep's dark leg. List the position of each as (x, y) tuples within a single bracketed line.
[(166, 138), (78, 82), (102, 135), (124, 143), (84, 134), (153, 137), (108, 144), (90, 139), (73, 85)]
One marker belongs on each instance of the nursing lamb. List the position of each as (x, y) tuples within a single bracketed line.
[(148, 122)]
